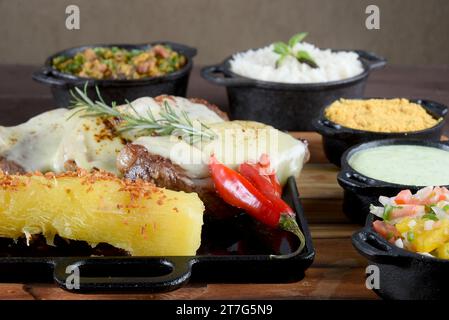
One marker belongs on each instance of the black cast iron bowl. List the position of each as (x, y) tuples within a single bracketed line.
[(360, 191), (402, 274), (287, 106), (337, 139), (174, 83)]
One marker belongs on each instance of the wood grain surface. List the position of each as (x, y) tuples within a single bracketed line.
[(338, 270)]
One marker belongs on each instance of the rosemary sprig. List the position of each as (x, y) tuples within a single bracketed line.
[(286, 49), (168, 123)]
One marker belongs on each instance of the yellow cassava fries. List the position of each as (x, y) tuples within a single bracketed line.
[(98, 207)]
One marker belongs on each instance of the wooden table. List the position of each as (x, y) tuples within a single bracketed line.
[(337, 272)]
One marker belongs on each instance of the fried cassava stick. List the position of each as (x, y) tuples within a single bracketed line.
[(100, 208)]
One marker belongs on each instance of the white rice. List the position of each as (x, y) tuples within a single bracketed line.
[(260, 64)]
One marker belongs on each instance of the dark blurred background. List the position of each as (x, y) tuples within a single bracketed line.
[(411, 31)]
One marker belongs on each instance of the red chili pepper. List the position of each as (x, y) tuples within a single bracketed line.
[(267, 184), (276, 185), (264, 168), (237, 191), (264, 185)]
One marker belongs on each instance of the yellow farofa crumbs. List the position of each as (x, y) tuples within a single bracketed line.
[(380, 115)]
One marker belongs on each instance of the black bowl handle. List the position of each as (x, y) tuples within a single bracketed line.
[(179, 272), (323, 127), (374, 61), (352, 181), (358, 183), (375, 249), (215, 74), (437, 109), (329, 129), (45, 75)]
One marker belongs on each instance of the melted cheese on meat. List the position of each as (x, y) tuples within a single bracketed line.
[(47, 141), (236, 142), (196, 111)]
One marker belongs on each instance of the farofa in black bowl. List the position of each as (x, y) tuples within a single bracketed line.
[(338, 138)]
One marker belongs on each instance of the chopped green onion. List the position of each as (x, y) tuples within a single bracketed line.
[(430, 216), (410, 236), (387, 212)]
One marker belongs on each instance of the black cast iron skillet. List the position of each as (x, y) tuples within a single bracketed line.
[(60, 83), (402, 273), (361, 191), (287, 106), (337, 139), (238, 250)]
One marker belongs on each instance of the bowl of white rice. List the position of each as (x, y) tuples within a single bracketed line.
[(290, 96)]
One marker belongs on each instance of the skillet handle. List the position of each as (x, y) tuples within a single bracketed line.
[(211, 73), (374, 61), (375, 249), (123, 274), (45, 75)]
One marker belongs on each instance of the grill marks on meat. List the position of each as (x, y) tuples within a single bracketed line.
[(10, 167), (136, 162)]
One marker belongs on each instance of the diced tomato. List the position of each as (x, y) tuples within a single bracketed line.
[(386, 230), (439, 194), (406, 211), (433, 197), (403, 197), (425, 196)]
